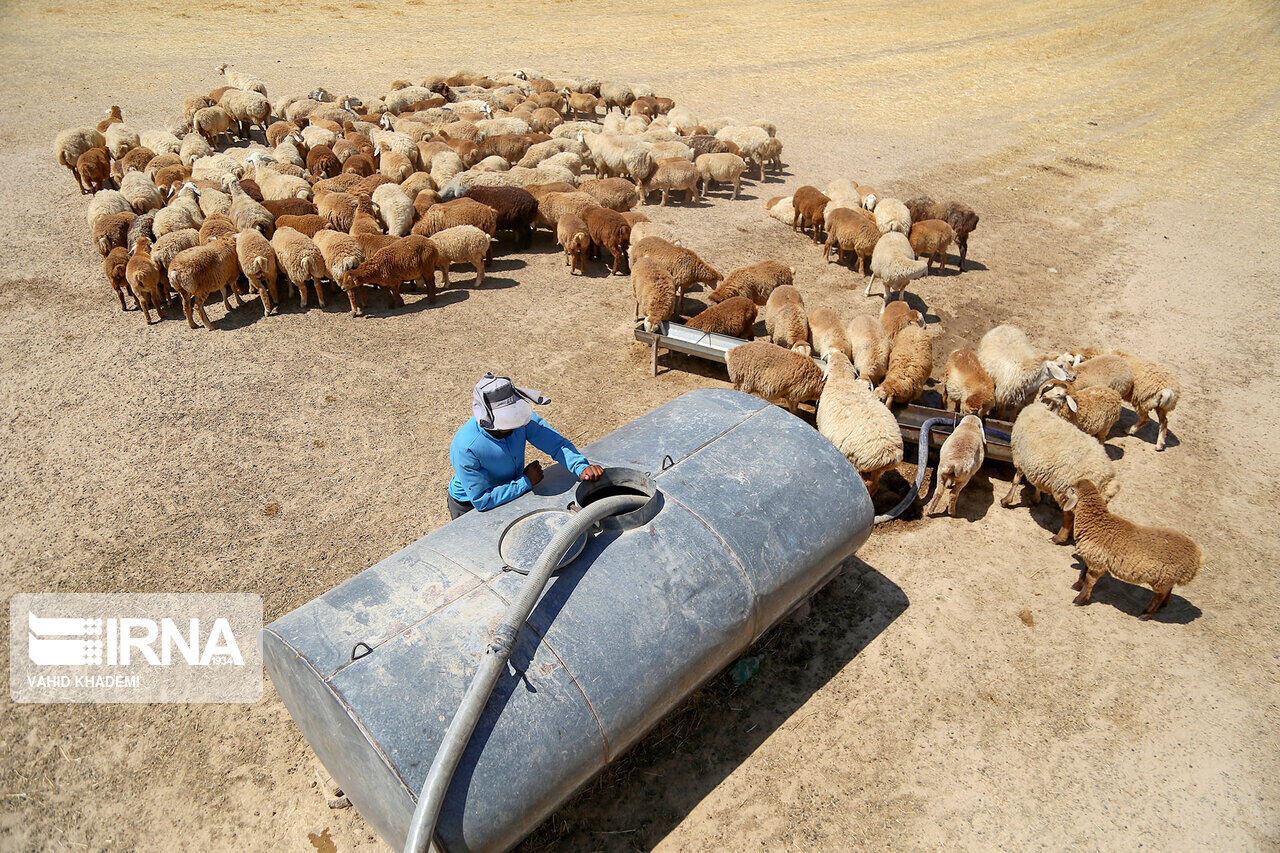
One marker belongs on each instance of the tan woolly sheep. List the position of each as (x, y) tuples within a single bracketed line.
[(720, 168), (114, 266), (870, 346), (144, 280), (71, 143), (1052, 455), (258, 263), (897, 315), (653, 292), (850, 231), (1015, 368), (755, 282), (571, 235), (735, 316), (894, 263), (775, 374), (200, 271), (910, 363), (672, 174), (786, 321), (300, 260), (892, 215), (461, 244), (827, 334), (1093, 411), (858, 424), (961, 456), (342, 253), (1158, 557), (930, 239), (686, 268)]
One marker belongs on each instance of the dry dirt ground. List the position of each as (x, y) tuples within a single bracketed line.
[(1123, 159)]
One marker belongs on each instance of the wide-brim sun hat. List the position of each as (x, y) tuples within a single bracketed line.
[(499, 405)]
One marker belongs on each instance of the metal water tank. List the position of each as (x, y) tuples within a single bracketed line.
[(752, 512)]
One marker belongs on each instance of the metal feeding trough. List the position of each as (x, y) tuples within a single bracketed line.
[(739, 513)]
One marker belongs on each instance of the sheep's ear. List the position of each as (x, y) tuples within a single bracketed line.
[(1071, 404), (1070, 499), (1056, 371)]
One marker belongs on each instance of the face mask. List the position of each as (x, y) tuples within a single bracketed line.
[(499, 433)]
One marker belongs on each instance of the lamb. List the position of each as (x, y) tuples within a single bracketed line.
[(752, 142), (141, 193), (910, 363), (515, 208), (461, 244), (957, 214), (785, 319), (608, 230), (241, 80), (194, 146), (735, 316), (894, 263), (144, 280), (1154, 388), (258, 263), (71, 143), (809, 204), (461, 211), (755, 282), (341, 253), (686, 268), (114, 116), (961, 456), (571, 234), (654, 293), (781, 208), (1094, 411), (892, 215), (672, 174), (301, 261), (897, 315), (1015, 368), (870, 197), (245, 212), (850, 231), (412, 258), (112, 231), (202, 270), (827, 334), (968, 387), (1158, 557), (614, 193), (852, 419), (1101, 371), (113, 266), (394, 208), (930, 239), (1052, 455), (247, 108), (93, 170), (775, 374), (870, 346)]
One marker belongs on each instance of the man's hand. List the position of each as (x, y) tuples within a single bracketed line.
[(534, 472), (591, 473)]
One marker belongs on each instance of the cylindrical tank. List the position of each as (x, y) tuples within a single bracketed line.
[(753, 512)]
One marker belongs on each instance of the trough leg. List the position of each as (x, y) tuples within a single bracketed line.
[(653, 366)]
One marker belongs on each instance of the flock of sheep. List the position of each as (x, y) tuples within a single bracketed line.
[(351, 194)]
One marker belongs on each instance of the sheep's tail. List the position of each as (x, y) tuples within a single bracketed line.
[(257, 266), (1166, 399), (1111, 489)]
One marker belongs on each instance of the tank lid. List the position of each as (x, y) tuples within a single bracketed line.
[(525, 539)]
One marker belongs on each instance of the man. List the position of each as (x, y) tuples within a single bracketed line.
[(487, 453)]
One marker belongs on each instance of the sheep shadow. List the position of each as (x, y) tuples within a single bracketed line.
[(1114, 451), (975, 501), (669, 361), (639, 799), (1133, 599), (452, 296), (1149, 433)]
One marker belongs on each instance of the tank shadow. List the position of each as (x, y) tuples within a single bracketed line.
[(639, 799)]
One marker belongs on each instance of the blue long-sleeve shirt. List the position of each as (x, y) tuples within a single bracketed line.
[(488, 471)]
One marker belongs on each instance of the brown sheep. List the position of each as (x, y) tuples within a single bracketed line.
[(216, 226), (412, 258), (360, 164), (114, 116), (686, 268), (509, 146), (930, 239), (94, 169), (571, 234), (968, 388), (672, 174), (198, 272), (910, 363), (113, 266), (772, 373), (850, 231), (112, 231), (897, 315), (134, 160), (338, 208), (307, 223), (617, 194), (653, 292), (957, 214), (322, 163), (810, 204), (364, 221), (289, 207), (516, 209), (144, 280), (755, 282), (608, 230), (1156, 556), (258, 263), (735, 316), (460, 211), (553, 205), (786, 321)]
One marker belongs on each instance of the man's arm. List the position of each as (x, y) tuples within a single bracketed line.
[(542, 436), (480, 493)]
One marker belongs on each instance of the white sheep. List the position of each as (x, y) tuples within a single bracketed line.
[(892, 215), (160, 141), (858, 424), (1015, 368), (120, 139), (752, 142), (723, 168), (1052, 455), (300, 260), (194, 146), (71, 143), (894, 262), (242, 80), (394, 208), (461, 244), (961, 456), (142, 194), (182, 212), (780, 208), (105, 203), (621, 156)]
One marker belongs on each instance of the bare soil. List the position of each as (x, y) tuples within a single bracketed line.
[(944, 692)]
